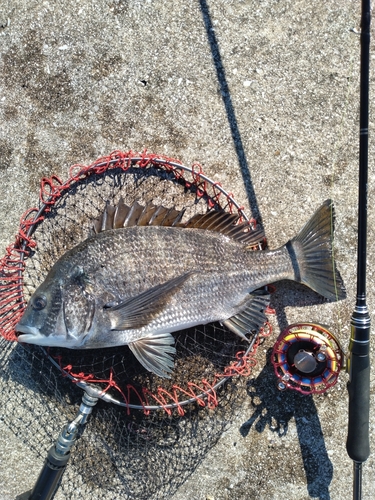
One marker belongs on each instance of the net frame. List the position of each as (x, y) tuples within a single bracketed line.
[(13, 264)]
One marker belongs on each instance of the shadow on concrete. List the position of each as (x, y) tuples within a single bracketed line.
[(229, 108), (272, 408), (275, 409)]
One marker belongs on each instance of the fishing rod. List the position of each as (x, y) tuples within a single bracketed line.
[(357, 444)]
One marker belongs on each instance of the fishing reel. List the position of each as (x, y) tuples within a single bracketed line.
[(307, 358)]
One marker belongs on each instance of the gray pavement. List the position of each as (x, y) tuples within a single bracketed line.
[(264, 95)]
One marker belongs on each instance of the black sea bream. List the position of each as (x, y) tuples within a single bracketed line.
[(135, 285)]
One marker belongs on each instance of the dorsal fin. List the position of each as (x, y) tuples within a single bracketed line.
[(212, 220), (226, 223), (123, 215), (106, 221)]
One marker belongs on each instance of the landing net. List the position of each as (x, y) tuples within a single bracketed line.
[(206, 356), (157, 432)]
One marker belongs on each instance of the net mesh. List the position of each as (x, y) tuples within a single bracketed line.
[(205, 356), (119, 455), (138, 454)]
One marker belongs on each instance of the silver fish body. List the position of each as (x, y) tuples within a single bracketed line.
[(137, 285)]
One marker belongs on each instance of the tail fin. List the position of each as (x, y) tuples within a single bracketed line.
[(312, 257)]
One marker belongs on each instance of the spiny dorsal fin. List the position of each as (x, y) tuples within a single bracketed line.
[(106, 221), (123, 215)]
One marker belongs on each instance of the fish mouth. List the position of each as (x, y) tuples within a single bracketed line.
[(29, 330), (29, 335)]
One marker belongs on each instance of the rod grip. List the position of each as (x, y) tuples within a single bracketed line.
[(357, 444)]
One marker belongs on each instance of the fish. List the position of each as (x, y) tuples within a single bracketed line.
[(142, 275)]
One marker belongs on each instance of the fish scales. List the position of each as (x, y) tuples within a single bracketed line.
[(142, 257), (136, 285)]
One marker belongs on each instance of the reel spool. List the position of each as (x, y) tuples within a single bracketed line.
[(307, 358)]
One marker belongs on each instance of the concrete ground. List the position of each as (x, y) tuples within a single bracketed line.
[(264, 94)]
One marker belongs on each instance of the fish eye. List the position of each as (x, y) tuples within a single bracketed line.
[(39, 302)]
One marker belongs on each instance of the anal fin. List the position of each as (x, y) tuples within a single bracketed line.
[(252, 317)]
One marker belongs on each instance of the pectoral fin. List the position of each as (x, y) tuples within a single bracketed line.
[(252, 317), (138, 311), (154, 353)]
